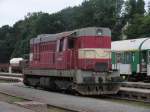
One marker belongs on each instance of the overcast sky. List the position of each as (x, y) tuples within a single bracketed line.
[(14, 10)]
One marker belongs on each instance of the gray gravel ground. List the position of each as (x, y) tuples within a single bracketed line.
[(82, 104)]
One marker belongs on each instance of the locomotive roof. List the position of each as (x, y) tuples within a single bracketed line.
[(129, 45), (92, 31)]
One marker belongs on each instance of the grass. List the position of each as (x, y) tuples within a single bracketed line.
[(10, 99)]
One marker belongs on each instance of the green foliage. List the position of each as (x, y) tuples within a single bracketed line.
[(137, 19), (140, 27), (140, 8), (7, 41), (133, 7)]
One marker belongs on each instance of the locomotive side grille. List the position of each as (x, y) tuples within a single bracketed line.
[(101, 67)]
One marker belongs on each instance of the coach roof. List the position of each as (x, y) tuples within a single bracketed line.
[(128, 45), (146, 44)]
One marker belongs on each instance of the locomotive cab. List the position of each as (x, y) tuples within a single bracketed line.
[(65, 51), (94, 50)]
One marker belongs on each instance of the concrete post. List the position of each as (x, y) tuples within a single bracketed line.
[(10, 69)]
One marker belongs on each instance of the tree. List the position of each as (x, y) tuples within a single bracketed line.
[(134, 7), (140, 8), (7, 42), (148, 7), (140, 27)]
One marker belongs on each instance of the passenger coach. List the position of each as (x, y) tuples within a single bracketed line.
[(78, 60), (132, 58)]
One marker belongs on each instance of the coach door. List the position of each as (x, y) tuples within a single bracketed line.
[(148, 64)]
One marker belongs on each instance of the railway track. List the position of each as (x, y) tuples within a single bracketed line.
[(133, 91), (127, 93), (141, 85), (10, 74), (133, 94), (13, 77)]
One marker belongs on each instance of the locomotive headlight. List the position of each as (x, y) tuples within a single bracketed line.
[(99, 32)]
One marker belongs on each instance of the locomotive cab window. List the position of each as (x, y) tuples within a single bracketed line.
[(71, 43), (61, 45)]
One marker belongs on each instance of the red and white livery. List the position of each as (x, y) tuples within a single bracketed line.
[(77, 60)]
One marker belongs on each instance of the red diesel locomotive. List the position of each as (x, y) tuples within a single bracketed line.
[(77, 60)]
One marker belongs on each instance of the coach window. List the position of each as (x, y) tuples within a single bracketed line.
[(122, 57), (70, 43), (118, 56), (129, 57)]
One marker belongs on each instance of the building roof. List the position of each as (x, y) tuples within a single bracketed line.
[(15, 60)]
